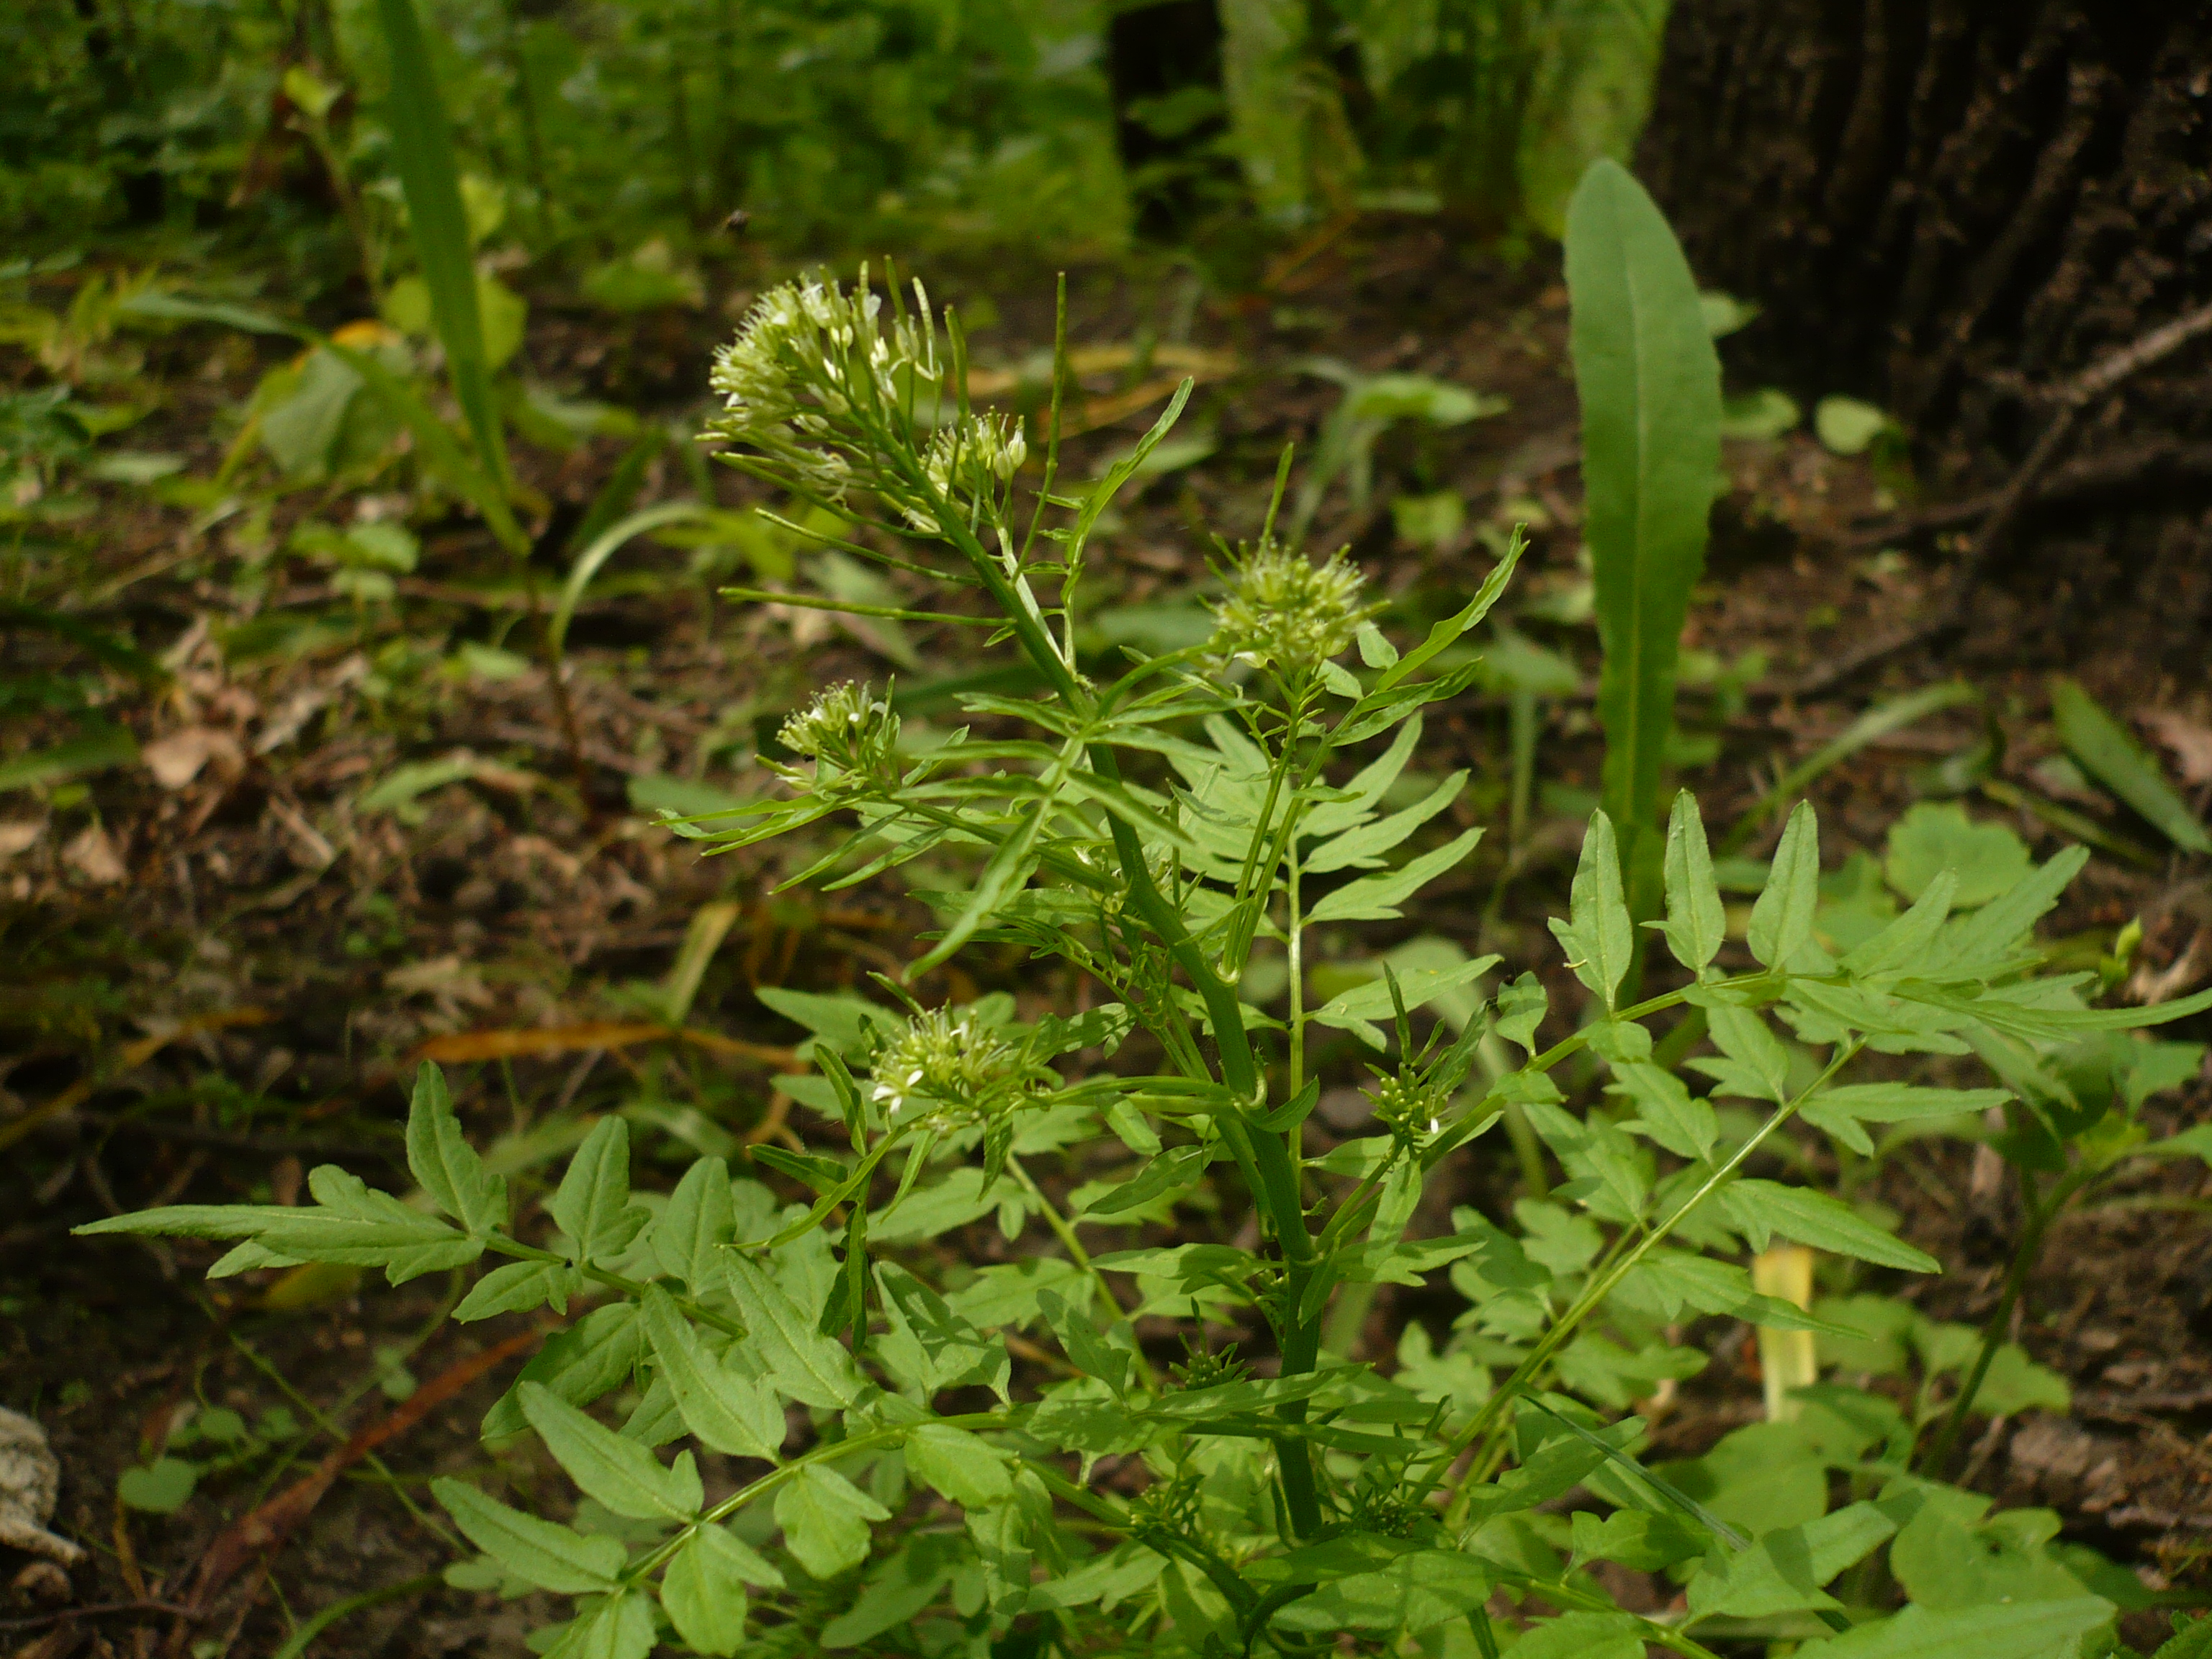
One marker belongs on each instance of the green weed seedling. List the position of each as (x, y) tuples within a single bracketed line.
[(884, 1480)]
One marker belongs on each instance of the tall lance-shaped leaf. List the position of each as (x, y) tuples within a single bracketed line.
[(1649, 385), (422, 149)]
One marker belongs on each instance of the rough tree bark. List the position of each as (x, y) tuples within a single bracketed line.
[(1952, 208)]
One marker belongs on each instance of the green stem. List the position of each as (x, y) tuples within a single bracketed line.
[(1064, 1231), (2041, 1213), (1605, 1284), (304, 1638)]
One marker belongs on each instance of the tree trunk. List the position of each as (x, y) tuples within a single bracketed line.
[(1952, 208)]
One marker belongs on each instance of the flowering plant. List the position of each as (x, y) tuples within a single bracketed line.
[(882, 1480)]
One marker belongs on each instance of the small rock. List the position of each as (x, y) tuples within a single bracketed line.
[(30, 1480), (176, 759), (92, 856)]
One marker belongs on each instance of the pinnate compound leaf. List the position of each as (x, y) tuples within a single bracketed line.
[(808, 1366), (353, 1224), (592, 1205), (1841, 1111), (1756, 1066), (704, 1591), (1781, 930), (1697, 923), (1991, 934), (825, 1519), (1762, 1208), (1376, 898), (957, 1464), (440, 1157), (728, 1413), (1597, 935), (2021, 1630), (1665, 1109), (522, 1287), (191, 1221), (620, 1473), (548, 1556), (594, 1356)]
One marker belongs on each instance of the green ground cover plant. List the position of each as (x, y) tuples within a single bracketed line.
[(1164, 830)]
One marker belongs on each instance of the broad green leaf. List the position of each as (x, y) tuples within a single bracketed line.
[(1763, 1208), (2025, 1630), (592, 1205), (1649, 385), (1583, 1636), (899, 1587), (1175, 1170), (619, 1472), (1521, 1008), (1376, 898), (440, 1157), (1696, 924), (729, 1413), (1780, 931), (825, 1518), (808, 1366), (1367, 843), (522, 1287), (161, 1487), (698, 1219), (1637, 1538), (843, 1022), (1785, 1571), (704, 1590), (1598, 936), (2113, 758), (548, 1556), (1418, 1591), (1987, 859), (956, 1463)]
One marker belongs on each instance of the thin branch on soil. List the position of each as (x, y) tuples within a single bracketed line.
[(2099, 379)]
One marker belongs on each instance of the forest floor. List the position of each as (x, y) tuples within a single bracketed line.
[(218, 966)]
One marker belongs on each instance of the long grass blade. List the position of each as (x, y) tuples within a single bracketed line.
[(422, 149)]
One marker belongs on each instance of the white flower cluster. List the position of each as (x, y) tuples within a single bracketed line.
[(941, 1065), (847, 728), (807, 353), (1282, 610), (967, 459)]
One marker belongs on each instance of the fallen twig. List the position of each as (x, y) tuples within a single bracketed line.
[(2099, 379), (263, 1531)]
